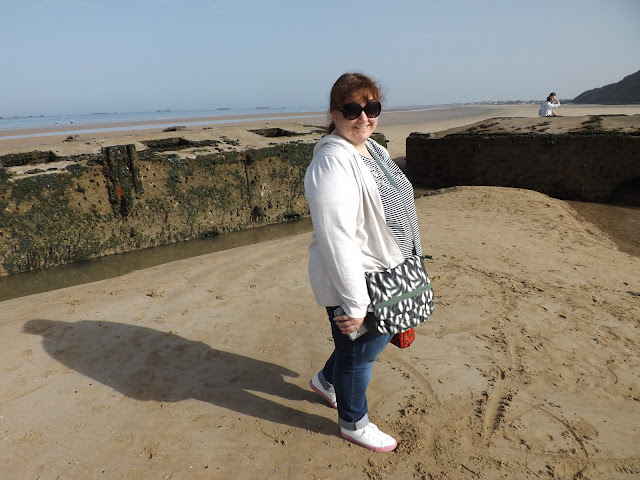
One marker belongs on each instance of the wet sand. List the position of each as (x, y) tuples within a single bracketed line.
[(199, 368)]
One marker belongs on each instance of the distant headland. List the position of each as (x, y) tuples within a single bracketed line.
[(624, 92)]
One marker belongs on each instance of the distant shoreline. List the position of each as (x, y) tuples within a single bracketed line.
[(396, 123), (98, 119), (11, 134)]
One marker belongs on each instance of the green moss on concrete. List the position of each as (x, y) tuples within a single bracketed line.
[(123, 200), (594, 122), (40, 187), (275, 179), (179, 174), (4, 175), (379, 138), (276, 132), (27, 158), (50, 232), (76, 169), (178, 143)]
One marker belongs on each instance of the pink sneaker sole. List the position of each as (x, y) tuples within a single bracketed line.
[(375, 449), (319, 392)]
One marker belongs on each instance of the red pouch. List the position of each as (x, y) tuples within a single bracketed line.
[(404, 339)]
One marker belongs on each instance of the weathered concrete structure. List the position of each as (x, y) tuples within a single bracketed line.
[(592, 158), (65, 209), (61, 209)]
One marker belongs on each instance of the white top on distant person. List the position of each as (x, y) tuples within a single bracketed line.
[(548, 107)]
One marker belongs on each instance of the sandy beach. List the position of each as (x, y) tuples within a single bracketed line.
[(199, 368), (395, 124)]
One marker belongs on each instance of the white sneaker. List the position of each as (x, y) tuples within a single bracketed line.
[(328, 394), (370, 437)]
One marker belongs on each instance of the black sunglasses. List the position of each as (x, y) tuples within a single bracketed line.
[(351, 111)]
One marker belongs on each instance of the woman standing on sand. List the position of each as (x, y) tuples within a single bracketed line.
[(352, 202)]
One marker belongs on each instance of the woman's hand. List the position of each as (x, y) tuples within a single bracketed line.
[(348, 325)]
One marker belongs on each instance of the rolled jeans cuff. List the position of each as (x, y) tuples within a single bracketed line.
[(352, 426)]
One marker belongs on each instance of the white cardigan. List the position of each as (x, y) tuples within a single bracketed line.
[(350, 233)]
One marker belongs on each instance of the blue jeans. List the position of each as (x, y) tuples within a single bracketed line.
[(349, 371)]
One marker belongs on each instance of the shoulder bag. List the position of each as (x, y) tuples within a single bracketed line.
[(402, 297)]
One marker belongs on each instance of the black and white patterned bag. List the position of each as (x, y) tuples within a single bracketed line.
[(402, 296)]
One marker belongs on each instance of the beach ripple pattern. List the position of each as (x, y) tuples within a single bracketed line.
[(402, 296)]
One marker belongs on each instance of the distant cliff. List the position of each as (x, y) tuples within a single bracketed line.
[(625, 92)]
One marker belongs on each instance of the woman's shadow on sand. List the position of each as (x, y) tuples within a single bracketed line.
[(147, 364)]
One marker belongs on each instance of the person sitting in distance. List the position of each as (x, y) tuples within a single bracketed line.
[(548, 107)]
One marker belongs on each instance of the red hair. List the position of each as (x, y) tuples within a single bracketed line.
[(353, 87)]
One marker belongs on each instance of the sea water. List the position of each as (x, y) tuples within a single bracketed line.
[(99, 122), (84, 119)]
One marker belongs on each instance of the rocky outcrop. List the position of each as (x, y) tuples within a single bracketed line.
[(580, 158)]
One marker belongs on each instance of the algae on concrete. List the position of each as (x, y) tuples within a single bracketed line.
[(122, 199)]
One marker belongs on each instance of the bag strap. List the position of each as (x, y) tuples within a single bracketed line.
[(374, 153)]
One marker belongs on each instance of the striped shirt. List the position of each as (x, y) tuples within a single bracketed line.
[(394, 201)]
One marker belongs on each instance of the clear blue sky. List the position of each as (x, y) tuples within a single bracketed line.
[(81, 56)]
